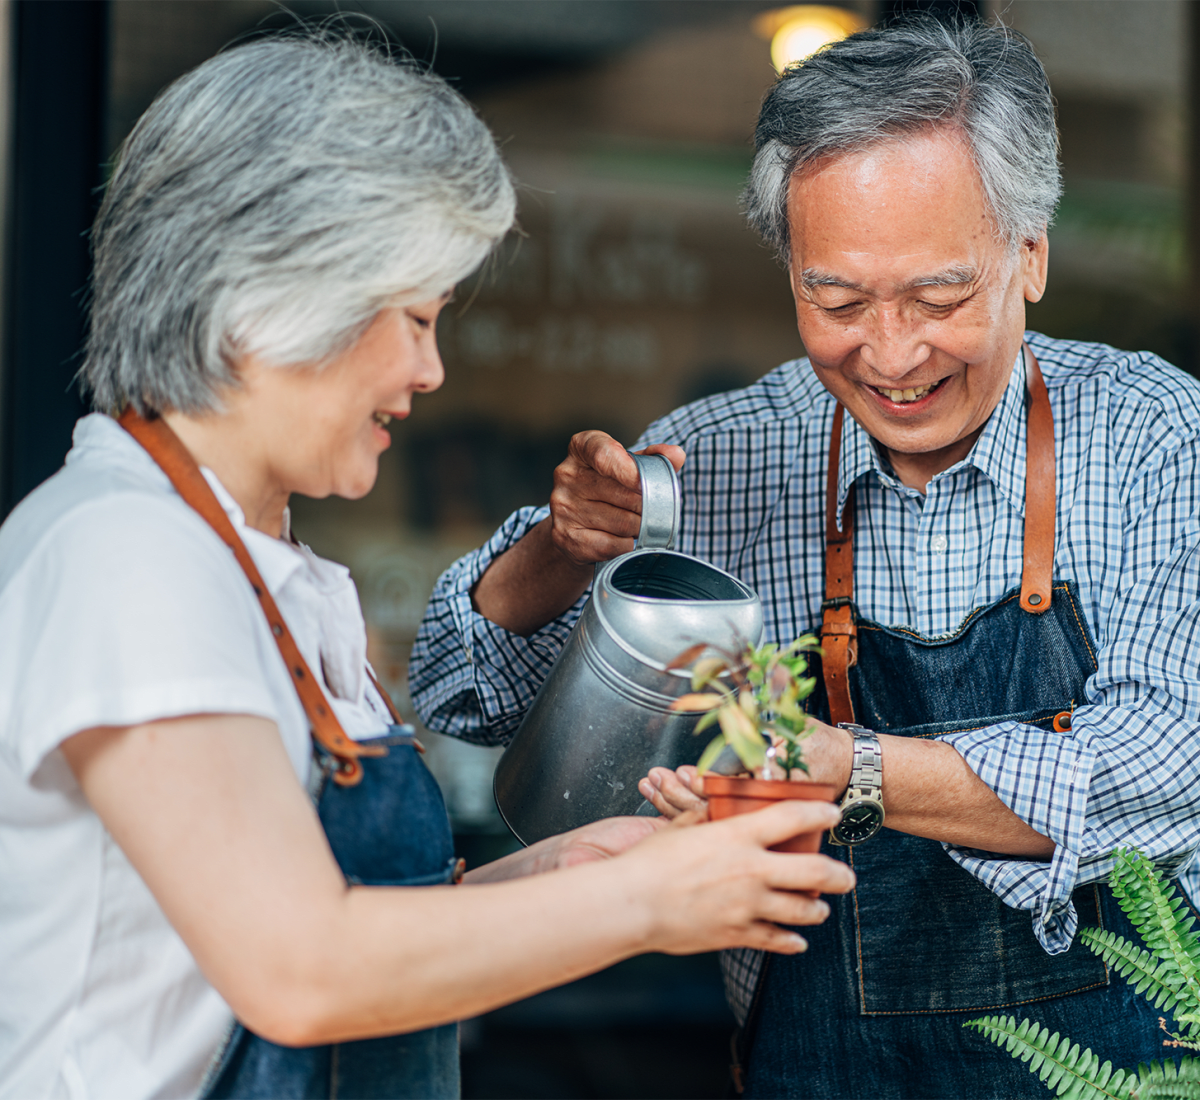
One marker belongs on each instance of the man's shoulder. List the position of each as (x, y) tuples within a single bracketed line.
[(790, 393), (1127, 379)]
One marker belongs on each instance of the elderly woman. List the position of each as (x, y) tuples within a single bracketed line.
[(207, 811)]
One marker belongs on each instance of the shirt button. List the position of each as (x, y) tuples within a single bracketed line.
[(938, 544)]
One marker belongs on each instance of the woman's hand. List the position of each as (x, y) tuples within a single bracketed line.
[(676, 792), (602, 839), (717, 886)]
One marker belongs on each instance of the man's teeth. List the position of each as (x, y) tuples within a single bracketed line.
[(383, 419), (901, 397)]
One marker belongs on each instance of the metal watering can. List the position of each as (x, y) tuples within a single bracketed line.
[(602, 719)]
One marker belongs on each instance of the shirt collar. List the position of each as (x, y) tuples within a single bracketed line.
[(100, 437), (999, 452)]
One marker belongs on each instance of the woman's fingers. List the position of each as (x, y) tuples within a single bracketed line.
[(605, 839), (785, 820)]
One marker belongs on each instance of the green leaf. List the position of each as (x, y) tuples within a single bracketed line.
[(697, 702), (1163, 920), (709, 756), (1138, 967), (743, 737), (707, 721), (706, 670), (1166, 1081), (1074, 1074)]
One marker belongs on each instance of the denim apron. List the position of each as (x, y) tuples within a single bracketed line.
[(386, 823), (389, 830), (874, 1009)]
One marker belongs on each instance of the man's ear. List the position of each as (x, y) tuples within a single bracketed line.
[(1035, 261)]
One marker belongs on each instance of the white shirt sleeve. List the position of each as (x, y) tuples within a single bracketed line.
[(129, 610)]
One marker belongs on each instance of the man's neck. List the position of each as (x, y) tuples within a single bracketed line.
[(917, 470)]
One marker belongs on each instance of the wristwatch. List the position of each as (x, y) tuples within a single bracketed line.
[(862, 804)]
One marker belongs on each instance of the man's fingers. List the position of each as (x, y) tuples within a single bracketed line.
[(667, 793), (674, 454), (606, 456)]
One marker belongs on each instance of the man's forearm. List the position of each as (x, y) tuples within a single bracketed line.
[(929, 790), (530, 584)]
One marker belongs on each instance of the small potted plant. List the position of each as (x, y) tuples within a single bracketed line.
[(755, 697)]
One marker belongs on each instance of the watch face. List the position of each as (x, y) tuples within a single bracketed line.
[(860, 821)]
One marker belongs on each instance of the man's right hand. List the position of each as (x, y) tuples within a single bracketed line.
[(596, 505), (595, 515)]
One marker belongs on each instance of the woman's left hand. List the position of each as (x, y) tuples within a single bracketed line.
[(600, 840), (604, 839)]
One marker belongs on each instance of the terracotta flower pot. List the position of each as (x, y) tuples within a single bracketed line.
[(736, 794)]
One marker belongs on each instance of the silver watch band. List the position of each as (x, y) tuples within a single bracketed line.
[(866, 773)]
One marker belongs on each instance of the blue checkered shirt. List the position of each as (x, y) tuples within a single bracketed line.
[(1127, 532)]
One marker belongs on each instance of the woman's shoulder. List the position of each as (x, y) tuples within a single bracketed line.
[(110, 507)]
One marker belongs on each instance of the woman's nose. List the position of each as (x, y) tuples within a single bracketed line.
[(431, 372)]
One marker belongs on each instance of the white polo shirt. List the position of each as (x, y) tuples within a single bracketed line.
[(119, 605)]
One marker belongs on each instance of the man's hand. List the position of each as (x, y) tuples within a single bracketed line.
[(595, 515), (596, 504)]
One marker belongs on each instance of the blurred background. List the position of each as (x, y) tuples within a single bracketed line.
[(631, 287)]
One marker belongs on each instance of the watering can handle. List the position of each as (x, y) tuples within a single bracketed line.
[(661, 500)]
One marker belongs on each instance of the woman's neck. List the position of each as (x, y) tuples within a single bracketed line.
[(225, 443)]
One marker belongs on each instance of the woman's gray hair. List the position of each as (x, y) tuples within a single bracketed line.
[(273, 201), (879, 85)]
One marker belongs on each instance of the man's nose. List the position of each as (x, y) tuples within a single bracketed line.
[(894, 345)]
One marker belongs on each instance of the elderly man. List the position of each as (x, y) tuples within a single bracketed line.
[(1005, 570)]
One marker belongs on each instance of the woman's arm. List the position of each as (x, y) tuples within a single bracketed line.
[(209, 812)]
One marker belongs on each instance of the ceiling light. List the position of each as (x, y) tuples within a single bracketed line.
[(799, 31)]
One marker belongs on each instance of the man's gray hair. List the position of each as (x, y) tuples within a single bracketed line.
[(272, 202), (880, 85)]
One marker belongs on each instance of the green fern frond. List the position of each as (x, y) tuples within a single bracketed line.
[(1160, 984), (1160, 915), (1060, 1065), (1166, 1081)]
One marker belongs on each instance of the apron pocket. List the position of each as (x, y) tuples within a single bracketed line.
[(931, 938)]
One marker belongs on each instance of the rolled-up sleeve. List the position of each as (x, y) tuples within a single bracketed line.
[(469, 677), (1128, 771)]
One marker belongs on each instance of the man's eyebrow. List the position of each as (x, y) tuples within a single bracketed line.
[(958, 275)]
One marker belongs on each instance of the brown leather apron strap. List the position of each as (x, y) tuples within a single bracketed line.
[(839, 633), (166, 448), (1037, 575)]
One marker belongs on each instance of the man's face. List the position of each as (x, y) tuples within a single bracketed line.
[(910, 309)]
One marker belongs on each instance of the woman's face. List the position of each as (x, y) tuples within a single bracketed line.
[(321, 430)]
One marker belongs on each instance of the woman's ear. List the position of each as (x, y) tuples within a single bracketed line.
[(1035, 258)]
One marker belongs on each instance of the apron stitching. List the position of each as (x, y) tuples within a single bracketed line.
[(1079, 623), (987, 1008)]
